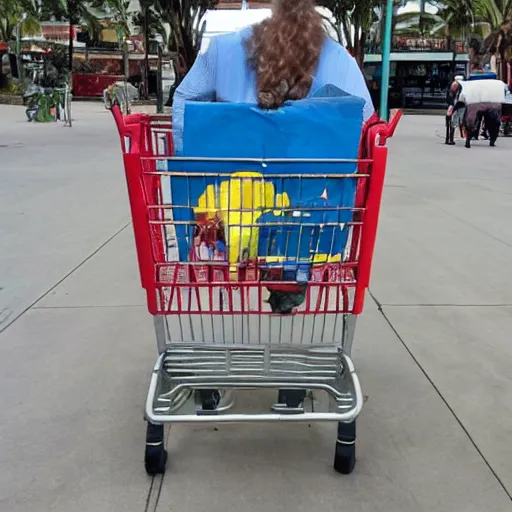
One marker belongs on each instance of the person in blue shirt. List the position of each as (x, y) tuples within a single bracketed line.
[(286, 57)]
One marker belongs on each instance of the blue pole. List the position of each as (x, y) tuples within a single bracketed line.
[(386, 51)]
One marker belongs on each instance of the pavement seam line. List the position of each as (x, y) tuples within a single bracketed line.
[(152, 489), (69, 274), (438, 391), (154, 493), (159, 493), (148, 497)]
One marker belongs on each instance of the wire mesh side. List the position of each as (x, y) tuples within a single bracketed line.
[(230, 237), (330, 329), (211, 262)]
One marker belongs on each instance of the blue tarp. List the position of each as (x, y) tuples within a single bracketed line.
[(326, 126)]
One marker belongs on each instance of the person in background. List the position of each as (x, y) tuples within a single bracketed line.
[(475, 57), (286, 57), (456, 110)]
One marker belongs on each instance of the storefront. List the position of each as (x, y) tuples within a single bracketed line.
[(417, 80), (94, 72)]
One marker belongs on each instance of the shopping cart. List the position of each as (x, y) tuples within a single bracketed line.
[(218, 336)]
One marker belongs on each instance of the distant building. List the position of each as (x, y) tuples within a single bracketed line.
[(422, 67)]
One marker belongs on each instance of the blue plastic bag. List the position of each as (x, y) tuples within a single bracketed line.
[(324, 127), (293, 240)]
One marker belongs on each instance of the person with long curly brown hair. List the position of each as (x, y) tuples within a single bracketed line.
[(286, 57)]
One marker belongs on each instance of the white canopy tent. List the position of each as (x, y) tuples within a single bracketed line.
[(223, 21)]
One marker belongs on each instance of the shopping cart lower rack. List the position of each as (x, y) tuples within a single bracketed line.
[(249, 291)]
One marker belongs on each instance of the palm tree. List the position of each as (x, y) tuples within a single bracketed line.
[(144, 19), (353, 20), (187, 26), (362, 18), (76, 12), (18, 18), (119, 18), (494, 12), (498, 14), (416, 22), (11, 12), (456, 16), (119, 15), (149, 23)]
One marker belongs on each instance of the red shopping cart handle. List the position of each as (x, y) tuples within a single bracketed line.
[(118, 118), (387, 129), (125, 120), (377, 132), (373, 126), (393, 122)]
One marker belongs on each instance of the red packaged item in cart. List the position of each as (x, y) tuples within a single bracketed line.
[(209, 239)]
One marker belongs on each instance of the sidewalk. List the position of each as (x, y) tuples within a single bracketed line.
[(432, 347)]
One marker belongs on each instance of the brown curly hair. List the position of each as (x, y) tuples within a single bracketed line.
[(284, 51)]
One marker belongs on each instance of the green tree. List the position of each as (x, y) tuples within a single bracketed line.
[(457, 21), (353, 20), (498, 14), (185, 19), (494, 12), (76, 12), (119, 17), (414, 23), (144, 19), (149, 24), (472, 21), (11, 12)]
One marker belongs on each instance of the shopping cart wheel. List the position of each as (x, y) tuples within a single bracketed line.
[(155, 458), (210, 399), (291, 397), (345, 454)]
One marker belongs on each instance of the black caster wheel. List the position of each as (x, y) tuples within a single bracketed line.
[(345, 453), (155, 458), (291, 397), (210, 399)]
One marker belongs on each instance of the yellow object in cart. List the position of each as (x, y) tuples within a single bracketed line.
[(239, 202)]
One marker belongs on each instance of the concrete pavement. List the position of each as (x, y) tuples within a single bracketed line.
[(53, 180), (431, 348)]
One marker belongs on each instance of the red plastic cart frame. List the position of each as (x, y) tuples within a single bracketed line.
[(137, 141)]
